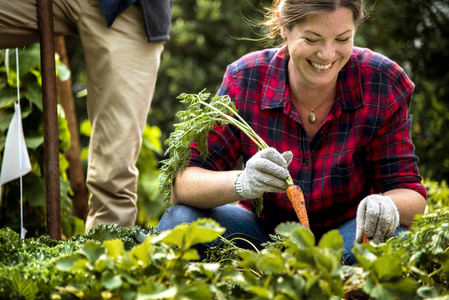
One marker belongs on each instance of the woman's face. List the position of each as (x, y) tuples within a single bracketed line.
[(319, 47)]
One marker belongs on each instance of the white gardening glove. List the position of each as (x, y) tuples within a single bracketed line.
[(266, 171), (378, 217)]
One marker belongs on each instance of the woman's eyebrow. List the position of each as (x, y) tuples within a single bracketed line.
[(317, 34)]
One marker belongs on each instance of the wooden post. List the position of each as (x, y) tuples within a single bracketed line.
[(50, 114), (75, 170)]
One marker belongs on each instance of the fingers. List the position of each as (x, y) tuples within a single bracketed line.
[(269, 161), (288, 156), (266, 171), (272, 183), (360, 221), (273, 155), (386, 223), (378, 217), (371, 217)]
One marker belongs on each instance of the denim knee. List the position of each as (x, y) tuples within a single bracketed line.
[(348, 232), (179, 214)]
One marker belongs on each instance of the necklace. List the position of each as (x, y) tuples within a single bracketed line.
[(312, 116)]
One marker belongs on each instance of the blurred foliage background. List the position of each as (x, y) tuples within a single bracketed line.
[(206, 36)]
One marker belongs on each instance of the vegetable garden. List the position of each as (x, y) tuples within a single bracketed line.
[(141, 263)]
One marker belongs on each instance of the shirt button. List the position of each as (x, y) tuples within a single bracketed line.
[(306, 162)]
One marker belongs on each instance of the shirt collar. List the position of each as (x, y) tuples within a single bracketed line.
[(275, 82), (274, 91), (349, 84)]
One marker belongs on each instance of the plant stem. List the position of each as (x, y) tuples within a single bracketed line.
[(244, 127)]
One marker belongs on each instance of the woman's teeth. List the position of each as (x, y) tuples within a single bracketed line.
[(320, 67)]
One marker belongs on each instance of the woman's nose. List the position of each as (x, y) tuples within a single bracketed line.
[(327, 52)]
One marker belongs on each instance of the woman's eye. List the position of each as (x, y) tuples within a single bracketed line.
[(342, 40), (310, 41)]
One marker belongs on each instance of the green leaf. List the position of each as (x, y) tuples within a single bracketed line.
[(61, 69), (387, 267), (207, 270), (114, 248), (33, 93), (5, 119), (271, 262), (248, 260), (154, 291), (292, 286), (190, 254), (33, 142), (111, 281), (92, 251), (151, 138), (66, 263), (260, 291), (186, 235), (332, 240), (85, 128), (29, 58), (297, 233), (27, 288), (194, 291), (402, 289), (35, 191), (363, 255), (7, 98)]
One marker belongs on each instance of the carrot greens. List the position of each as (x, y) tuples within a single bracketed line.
[(194, 125)]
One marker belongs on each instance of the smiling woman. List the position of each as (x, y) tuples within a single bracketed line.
[(341, 110)]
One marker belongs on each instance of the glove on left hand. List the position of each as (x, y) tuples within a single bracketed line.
[(378, 217)]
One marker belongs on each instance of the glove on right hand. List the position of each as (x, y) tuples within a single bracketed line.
[(378, 217), (266, 171)]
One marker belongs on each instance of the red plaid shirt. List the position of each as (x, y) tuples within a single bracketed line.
[(363, 147)]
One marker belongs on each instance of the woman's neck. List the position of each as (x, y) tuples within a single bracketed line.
[(310, 96)]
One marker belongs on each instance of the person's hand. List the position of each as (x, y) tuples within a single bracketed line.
[(377, 217), (266, 171)]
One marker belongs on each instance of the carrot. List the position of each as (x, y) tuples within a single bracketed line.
[(365, 239), (296, 197)]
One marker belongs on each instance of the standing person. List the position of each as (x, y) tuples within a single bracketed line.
[(336, 119), (122, 41)]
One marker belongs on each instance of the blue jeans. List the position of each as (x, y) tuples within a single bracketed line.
[(241, 223), (347, 231)]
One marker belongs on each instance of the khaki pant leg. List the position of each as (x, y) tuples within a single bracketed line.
[(121, 76), (19, 23)]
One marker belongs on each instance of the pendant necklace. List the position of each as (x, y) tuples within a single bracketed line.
[(312, 116)]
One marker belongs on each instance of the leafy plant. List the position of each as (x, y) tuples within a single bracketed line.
[(34, 182), (113, 262), (195, 124)]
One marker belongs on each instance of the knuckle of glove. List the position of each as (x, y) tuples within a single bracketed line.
[(288, 157)]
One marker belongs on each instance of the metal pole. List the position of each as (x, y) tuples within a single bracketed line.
[(49, 103)]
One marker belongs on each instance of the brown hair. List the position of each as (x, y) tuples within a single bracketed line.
[(292, 12)]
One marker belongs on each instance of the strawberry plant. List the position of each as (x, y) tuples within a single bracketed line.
[(111, 262)]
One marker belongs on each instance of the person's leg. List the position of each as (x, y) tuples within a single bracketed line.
[(242, 226), (347, 231), (121, 76), (19, 21)]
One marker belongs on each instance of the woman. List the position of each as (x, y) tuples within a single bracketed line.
[(336, 118)]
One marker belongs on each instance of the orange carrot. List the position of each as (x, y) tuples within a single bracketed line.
[(365, 239), (296, 197)]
